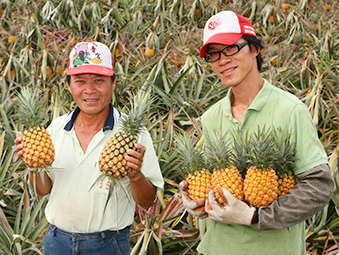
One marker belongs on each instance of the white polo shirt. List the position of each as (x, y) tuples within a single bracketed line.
[(73, 205)]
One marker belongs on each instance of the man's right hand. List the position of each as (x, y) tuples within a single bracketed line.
[(194, 207), (19, 145)]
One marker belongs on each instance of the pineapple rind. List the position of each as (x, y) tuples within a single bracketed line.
[(199, 183), (286, 182), (112, 158), (230, 179), (260, 186), (38, 147)]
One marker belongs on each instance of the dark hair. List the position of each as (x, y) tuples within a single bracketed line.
[(258, 45), (68, 78)]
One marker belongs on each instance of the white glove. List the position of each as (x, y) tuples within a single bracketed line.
[(194, 207), (234, 212)]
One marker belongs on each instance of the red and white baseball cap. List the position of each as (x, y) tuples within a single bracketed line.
[(226, 27), (90, 57)]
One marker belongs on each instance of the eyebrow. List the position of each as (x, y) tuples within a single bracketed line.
[(210, 48)]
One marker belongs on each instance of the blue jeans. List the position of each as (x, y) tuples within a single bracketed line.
[(59, 242)]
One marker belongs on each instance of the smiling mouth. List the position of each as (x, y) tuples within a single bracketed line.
[(90, 100), (229, 70)]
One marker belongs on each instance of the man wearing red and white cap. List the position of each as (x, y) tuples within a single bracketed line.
[(80, 221), (231, 46)]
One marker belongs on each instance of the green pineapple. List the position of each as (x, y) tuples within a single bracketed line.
[(112, 158)]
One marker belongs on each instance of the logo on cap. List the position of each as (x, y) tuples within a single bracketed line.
[(82, 55), (214, 23)]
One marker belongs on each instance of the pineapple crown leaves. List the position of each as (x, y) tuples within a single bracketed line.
[(191, 156), (284, 151), (31, 108), (262, 148), (242, 150), (134, 119), (217, 149)]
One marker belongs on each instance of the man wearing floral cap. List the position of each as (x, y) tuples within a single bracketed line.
[(232, 48), (80, 220)]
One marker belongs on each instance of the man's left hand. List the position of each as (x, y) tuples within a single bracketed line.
[(234, 212), (134, 160)]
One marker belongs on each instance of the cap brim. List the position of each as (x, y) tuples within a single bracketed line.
[(90, 69), (222, 38)]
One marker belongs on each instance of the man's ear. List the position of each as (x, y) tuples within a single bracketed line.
[(254, 50), (114, 82)]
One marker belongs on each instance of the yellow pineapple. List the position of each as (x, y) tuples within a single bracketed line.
[(286, 182), (192, 166), (261, 180), (38, 147), (225, 174), (112, 158), (284, 161), (199, 182)]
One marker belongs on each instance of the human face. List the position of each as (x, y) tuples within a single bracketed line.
[(236, 69), (91, 92)]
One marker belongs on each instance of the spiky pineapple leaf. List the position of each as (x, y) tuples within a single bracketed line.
[(262, 148), (284, 151), (112, 184), (191, 156), (217, 149), (241, 150), (31, 110), (134, 119)]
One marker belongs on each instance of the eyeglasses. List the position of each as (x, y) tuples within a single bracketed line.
[(227, 51)]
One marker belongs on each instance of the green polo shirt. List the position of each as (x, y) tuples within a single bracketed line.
[(73, 205), (277, 108)]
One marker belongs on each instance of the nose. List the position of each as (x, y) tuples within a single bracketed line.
[(224, 59), (90, 87)]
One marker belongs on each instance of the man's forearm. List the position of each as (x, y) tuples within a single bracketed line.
[(143, 191), (42, 184), (310, 195)]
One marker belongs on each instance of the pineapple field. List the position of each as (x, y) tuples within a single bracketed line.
[(156, 44)]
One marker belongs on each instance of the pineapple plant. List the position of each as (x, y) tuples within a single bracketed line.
[(112, 161), (225, 174), (284, 161), (38, 150), (261, 180), (193, 166)]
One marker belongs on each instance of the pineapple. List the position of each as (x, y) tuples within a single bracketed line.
[(225, 174), (192, 166), (38, 147), (261, 180), (284, 161), (112, 158)]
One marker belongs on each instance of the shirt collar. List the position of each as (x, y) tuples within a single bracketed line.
[(262, 97), (109, 124)]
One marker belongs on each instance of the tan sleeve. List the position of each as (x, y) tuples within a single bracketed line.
[(312, 192)]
